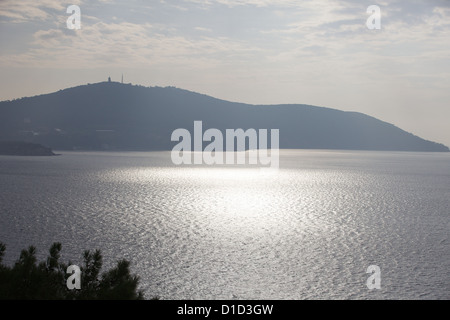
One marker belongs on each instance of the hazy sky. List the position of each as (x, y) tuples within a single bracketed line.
[(258, 51)]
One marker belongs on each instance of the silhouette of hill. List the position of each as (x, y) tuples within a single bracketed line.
[(20, 148), (111, 115)]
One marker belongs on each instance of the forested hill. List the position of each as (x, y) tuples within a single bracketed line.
[(111, 115)]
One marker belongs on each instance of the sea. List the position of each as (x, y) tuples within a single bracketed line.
[(326, 224)]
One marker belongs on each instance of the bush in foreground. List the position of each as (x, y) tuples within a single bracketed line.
[(28, 279)]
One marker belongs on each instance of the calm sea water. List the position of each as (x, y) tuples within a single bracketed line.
[(307, 231)]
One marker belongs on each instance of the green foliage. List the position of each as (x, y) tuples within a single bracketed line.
[(47, 280)]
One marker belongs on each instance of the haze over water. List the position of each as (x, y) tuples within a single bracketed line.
[(306, 231)]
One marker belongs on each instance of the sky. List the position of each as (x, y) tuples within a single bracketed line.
[(317, 52)]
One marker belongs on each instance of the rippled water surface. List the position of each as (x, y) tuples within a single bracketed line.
[(306, 231)]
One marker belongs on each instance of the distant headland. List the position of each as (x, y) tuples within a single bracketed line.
[(20, 148)]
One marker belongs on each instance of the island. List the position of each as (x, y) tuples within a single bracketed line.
[(21, 148), (125, 117)]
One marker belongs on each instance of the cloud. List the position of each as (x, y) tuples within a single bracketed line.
[(289, 33), (31, 10), (124, 44), (201, 29)]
